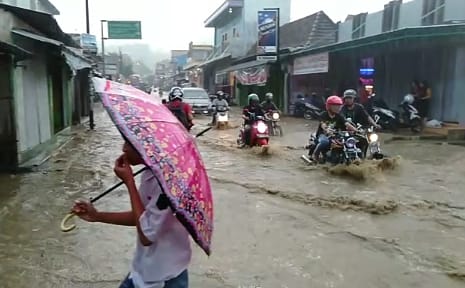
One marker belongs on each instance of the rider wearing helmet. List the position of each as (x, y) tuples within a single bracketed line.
[(330, 120), (219, 104), (356, 111), (255, 108), (268, 104), (181, 110)]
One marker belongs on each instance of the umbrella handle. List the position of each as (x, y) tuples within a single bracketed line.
[(67, 228)]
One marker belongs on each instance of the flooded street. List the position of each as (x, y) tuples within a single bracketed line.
[(279, 223)]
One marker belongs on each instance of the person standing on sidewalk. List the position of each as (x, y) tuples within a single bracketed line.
[(163, 250)]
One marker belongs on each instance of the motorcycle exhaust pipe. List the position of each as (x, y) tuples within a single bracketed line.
[(306, 159)]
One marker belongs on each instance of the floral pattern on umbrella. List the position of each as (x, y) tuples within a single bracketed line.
[(169, 151)]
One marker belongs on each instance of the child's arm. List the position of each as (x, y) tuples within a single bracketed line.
[(117, 218)]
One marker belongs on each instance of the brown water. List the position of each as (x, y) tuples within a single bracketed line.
[(279, 223)]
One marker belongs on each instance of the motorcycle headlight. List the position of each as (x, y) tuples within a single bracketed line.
[(350, 143), (261, 127), (374, 137), (275, 116)]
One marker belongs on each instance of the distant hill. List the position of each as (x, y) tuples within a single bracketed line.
[(140, 52)]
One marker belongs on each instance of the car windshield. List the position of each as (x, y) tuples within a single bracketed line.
[(195, 94)]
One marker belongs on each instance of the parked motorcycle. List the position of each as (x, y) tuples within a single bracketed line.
[(259, 134), (222, 118), (343, 149), (312, 112), (409, 114), (392, 120), (272, 117)]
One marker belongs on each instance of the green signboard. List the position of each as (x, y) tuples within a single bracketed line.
[(124, 30)]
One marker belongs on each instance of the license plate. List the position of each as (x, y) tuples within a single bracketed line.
[(262, 135)]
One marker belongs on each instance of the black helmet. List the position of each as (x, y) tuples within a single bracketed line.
[(350, 93)]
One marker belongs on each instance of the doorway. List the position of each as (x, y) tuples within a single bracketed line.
[(56, 75), (8, 148)]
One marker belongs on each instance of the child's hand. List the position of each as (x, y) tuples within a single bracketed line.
[(123, 169), (85, 210)]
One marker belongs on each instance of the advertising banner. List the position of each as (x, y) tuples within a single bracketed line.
[(311, 64), (252, 76), (267, 32), (89, 43)]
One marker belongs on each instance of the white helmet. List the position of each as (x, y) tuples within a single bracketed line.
[(269, 96), (409, 99), (176, 93)]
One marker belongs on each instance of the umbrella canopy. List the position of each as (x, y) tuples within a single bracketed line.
[(168, 150)]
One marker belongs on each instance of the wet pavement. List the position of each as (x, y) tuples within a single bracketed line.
[(279, 223)]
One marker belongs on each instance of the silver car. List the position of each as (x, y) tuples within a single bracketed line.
[(198, 99)]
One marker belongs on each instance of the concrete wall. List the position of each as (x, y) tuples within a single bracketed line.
[(410, 16), (374, 24), (246, 25), (455, 10), (32, 105), (35, 5)]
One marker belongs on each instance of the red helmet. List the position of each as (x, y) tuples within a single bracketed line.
[(333, 100)]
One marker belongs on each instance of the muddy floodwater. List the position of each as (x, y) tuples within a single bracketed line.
[(279, 223)]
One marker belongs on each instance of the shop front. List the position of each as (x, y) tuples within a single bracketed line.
[(387, 64), (309, 75)]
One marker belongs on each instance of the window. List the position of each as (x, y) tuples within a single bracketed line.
[(234, 32), (433, 12), (358, 25), (391, 15)]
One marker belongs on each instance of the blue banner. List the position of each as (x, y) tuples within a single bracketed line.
[(267, 32)]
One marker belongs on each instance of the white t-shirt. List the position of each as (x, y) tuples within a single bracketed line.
[(170, 252)]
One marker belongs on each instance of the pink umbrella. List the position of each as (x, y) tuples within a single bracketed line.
[(168, 150)]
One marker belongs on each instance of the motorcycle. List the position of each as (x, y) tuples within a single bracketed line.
[(343, 149), (273, 118), (259, 133), (409, 115), (312, 112), (392, 120), (222, 118), (373, 150)]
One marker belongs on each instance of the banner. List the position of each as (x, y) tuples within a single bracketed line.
[(311, 64), (252, 76), (267, 32)]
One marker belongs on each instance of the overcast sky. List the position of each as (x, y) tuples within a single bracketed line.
[(172, 24)]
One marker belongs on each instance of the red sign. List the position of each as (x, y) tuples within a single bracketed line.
[(252, 76)]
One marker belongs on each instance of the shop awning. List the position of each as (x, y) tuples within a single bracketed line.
[(454, 32), (76, 63), (43, 22), (36, 37), (72, 57), (216, 56), (12, 49), (242, 66)]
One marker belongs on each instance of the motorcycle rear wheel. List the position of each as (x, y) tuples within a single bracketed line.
[(308, 115)]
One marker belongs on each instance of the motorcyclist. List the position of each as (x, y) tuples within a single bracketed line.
[(268, 104), (219, 104), (181, 110), (330, 120), (356, 111), (254, 107)]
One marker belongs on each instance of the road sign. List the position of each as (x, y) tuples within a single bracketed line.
[(124, 30)]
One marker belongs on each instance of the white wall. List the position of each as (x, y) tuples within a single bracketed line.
[(251, 8), (374, 24), (455, 10), (345, 31), (410, 14), (32, 104)]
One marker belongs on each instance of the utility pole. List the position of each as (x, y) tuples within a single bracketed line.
[(91, 97)]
